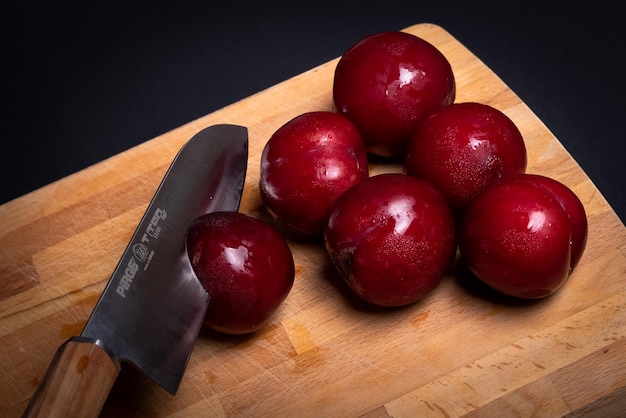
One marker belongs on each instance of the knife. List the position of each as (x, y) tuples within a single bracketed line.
[(153, 306)]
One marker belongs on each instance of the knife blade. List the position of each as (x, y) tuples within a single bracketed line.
[(153, 306)]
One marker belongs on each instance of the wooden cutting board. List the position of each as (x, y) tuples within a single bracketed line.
[(461, 351)]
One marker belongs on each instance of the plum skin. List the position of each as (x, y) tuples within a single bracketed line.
[(572, 205), (515, 236), (391, 237), (306, 165), (463, 147), (386, 83), (245, 266)]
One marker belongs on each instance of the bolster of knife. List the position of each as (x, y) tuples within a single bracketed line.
[(77, 382)]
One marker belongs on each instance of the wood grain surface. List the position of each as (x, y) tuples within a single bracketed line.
[(463, 351)]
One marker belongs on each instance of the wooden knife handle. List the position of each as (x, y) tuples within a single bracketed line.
[(77, 382)]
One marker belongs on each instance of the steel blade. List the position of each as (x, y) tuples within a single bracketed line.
[(153, 306)]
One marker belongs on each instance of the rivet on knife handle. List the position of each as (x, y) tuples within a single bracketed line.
[(77, 382)]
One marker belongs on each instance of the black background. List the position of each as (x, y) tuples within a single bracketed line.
[(85, 81)]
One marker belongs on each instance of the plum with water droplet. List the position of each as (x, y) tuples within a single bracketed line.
[(246, 267), (463, 147), (392, 238), (306, 165), (386, 83), (519, 237)]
